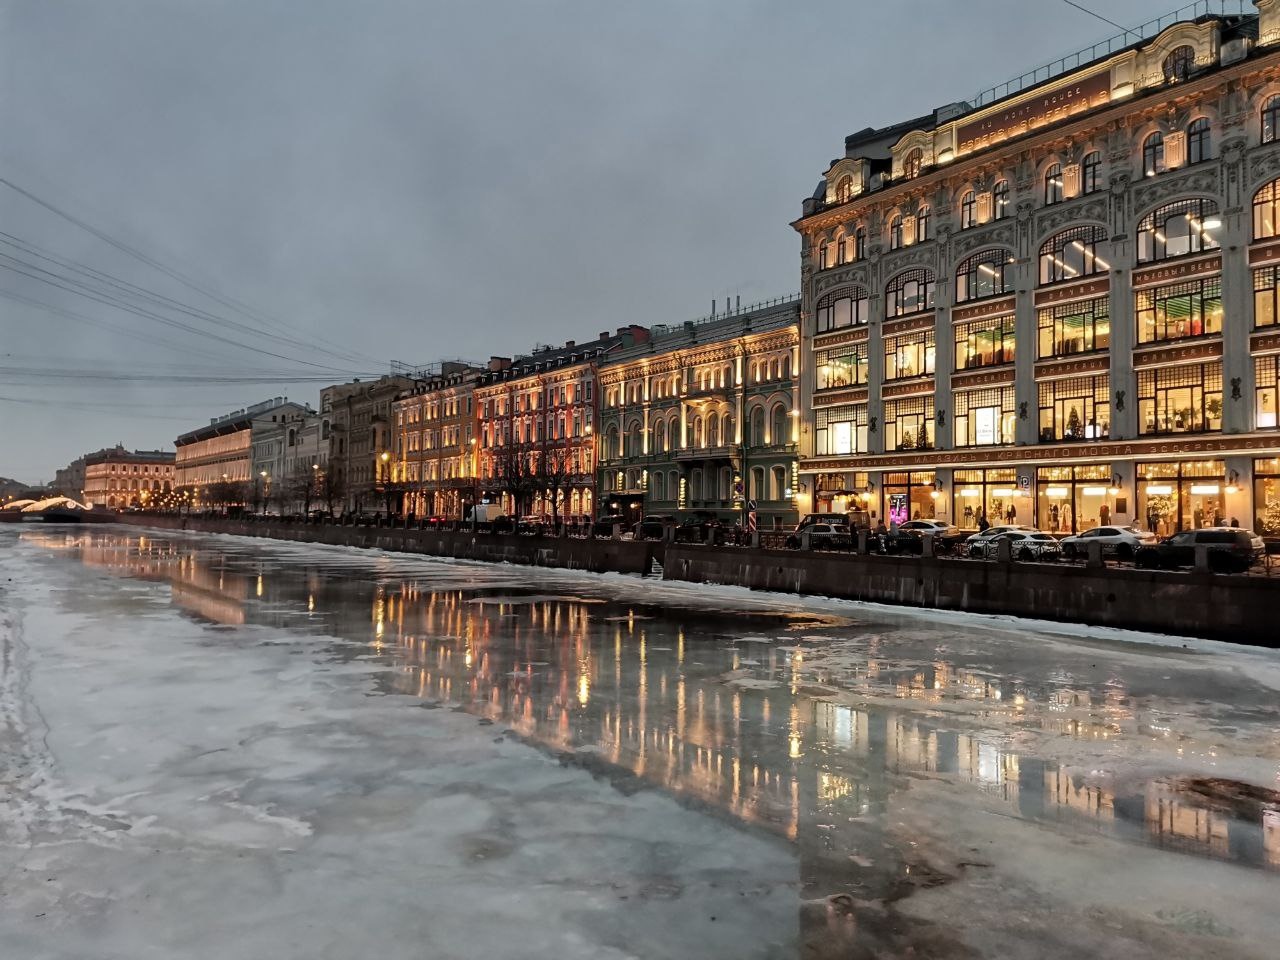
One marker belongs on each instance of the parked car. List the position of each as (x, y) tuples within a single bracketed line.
[(910, 535), (1231, 550), (1122, 542), (991, 532), (822, 536), (533, 525), (1025, 544), (603, 527), (697, 529), (653, 527)]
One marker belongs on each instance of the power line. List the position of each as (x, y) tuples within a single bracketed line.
[(226, 301), (1098, 16)]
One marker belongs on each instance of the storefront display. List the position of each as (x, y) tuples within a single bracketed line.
[(1181, 496), (1075, 499), (842, 493), (910, 496), (1266, 497), (990, 493)]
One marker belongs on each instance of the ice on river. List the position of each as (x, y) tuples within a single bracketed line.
[(216, 747)]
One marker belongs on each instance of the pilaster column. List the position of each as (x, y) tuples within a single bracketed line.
[(875, 372), (1237, 322), (944, 363), (1124, 382), (1026, 431)]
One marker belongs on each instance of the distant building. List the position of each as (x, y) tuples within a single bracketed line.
[(290, 464), (360, 432), (537, 418), (214, 464), (699, 419), (119, 478), (434, 452)]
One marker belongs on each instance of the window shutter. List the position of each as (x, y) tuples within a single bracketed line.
[(1071, 180), (1175, 150), (984, 207)]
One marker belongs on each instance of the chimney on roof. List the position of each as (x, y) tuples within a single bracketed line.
[(569, 344), (498, 363), (604, 334)]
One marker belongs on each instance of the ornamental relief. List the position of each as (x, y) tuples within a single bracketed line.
[(835, 278), (1089, 207), (1001, 233), (1164, 186), (910, 257), (1264, 165)]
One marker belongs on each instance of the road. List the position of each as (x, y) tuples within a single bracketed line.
[(223, 747)]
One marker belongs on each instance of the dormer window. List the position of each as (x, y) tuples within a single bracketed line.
[(844, 189), (1178, 64), (912, 163)]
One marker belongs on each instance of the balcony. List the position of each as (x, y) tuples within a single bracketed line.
[(704, 453)]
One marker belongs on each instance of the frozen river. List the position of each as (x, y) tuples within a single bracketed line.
[(214, 747)]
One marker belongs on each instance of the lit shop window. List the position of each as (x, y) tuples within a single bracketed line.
[(985, 274), (845, 366), (909, 355), (1180, 399), (840, 430), (1072, 254), (1177, 229), (1077, 408), (908, 423), (1177, 311), (985, 418), (985, 343), (909, 292)]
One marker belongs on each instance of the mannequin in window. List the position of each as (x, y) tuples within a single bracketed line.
[(1104, 515), (1011, 515), (1053, 518)]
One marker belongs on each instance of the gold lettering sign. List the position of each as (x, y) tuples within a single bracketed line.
[(1066, 368), (1074, 291), (1178, 271), (991, 309), (892, 328), (1040, 109), (1265, 343), (1168, 355), (1265, 253), (991, 378)]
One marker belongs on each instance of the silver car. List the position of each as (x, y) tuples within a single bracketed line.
[(1121, 542), (1024, 545)]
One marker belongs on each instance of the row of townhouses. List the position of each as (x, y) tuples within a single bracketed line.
[(1056, 303)]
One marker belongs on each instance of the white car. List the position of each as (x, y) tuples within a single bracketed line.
[(1026, 543), (980, 538), (1122, 542)]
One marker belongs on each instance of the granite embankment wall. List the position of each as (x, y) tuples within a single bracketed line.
[(598, 556), (1237, 609)]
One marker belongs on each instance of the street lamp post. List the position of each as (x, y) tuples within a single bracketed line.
[(385, 457)]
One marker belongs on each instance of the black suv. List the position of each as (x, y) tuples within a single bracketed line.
[(1231, 550)]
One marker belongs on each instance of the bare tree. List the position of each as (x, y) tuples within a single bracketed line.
[(515, 473), (554, 475), (301, 487), (333, 488)]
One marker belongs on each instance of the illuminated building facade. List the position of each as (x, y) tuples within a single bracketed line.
[(360, 432), (118, 478), (218, 459), (536, 423), (699, 419), (1058, 304)]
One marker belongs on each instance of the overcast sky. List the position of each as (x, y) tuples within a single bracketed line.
[(417, 181)]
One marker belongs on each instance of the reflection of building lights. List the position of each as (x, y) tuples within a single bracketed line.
[(584, 689)]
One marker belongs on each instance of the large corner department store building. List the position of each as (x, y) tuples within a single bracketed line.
[(1058, 306)]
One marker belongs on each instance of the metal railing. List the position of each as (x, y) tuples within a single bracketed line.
[(667, 329), (1104, 48)]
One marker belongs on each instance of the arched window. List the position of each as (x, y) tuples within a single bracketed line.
[(696, 434), (895, 232), (726, 429), (1266, 211), (824, 255), (1000, 199), (1090, 169), (1199, 147), (611, 443), (1153, 154), (695, 484), (757, 426), (1178, 64), (713, 431), (779, 483), (968, 210), (844, 253), (1271, 118), (924, 219), (1053, 184), (634, 445), (859, 243), (778, 426), (844, 189), (1176, 229), (909, 292), (985, 274), (660, 437), (1072, 254), (659, 485), (758, 491), (912, 163), (842, 308)]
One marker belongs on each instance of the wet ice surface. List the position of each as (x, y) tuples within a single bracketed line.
[(217, 747)]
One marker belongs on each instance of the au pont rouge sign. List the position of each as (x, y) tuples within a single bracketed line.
[(1044, 108)]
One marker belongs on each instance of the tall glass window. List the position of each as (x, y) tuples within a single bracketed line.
[(1072, 254), (1266, 283), (1192, 308), (968, 210), (987, 273), (1266, 375), (985, 418), (924, 221), (845, 366), (909, 355), (840, 430), (1053, 184), (895, 232), (1000, 199), (984, 343), (1153, 154), (1266, 211), (1091, 172), (1078, 408), (1177, 229), (1180, 399), (1199, 146), (908, 423), (1271, 118), (846, 308), (860, 243), (1266, 497), (909, 292), (912, 163), (1070, 328)]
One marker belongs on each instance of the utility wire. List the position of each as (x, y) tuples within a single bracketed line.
[(1098, 16), (228, 302)]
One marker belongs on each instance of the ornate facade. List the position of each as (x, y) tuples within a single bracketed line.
[(700, 419), (117, 478), (1059, 307)]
